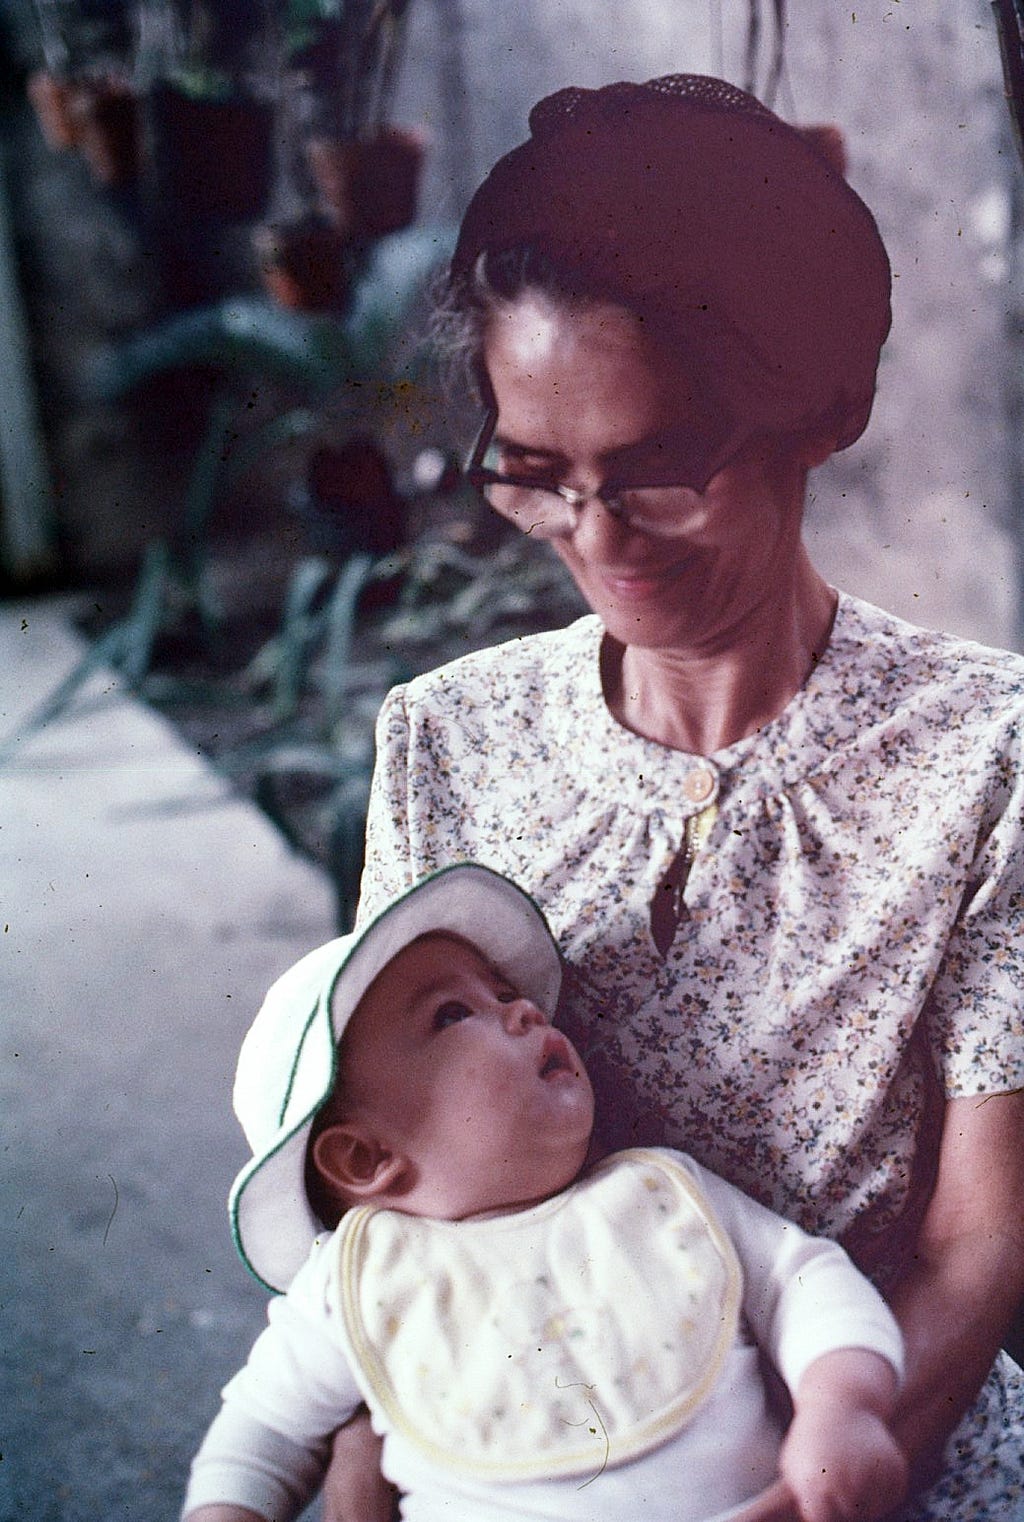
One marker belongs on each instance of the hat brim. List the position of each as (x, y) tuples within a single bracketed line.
[(271, 1218)]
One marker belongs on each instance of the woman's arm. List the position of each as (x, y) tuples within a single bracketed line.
[(354, 1488), (957, 1296)]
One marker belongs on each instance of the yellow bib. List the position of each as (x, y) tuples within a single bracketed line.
[(548, 1342)]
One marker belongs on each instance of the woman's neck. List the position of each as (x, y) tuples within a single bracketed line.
[(703, 700)]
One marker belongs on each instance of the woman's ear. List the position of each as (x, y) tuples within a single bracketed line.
[(353, 1162), (829, 141), (816, 446)]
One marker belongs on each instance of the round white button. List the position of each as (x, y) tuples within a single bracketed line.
[(700, 785)]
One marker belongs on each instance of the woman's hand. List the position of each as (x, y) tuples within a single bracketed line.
[(354, 1488), (958, 1295), (776, 1504)]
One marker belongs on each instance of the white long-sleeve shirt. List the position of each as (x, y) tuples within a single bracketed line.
[(799, 1297)]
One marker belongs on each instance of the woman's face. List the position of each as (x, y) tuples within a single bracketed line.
[(581, 395)]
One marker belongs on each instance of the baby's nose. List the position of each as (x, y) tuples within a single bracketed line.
[(521, 1015)]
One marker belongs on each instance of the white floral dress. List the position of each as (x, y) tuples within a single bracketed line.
[(851, 947)]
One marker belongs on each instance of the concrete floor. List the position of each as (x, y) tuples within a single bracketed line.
[(145, 911)]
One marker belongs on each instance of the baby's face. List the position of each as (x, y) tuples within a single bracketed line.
[(468, 1080)]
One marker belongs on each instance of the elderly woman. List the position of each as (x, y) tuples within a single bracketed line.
[(778, 832)]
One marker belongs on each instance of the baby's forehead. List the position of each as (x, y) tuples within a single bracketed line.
[(428, 963), (455, 952)]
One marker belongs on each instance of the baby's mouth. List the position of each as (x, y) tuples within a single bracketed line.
[(555, 1057)]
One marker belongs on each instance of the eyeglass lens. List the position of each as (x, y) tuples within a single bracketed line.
[(661, 509)]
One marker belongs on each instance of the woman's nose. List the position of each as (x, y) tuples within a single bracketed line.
[(521, 1015), (595, 529)]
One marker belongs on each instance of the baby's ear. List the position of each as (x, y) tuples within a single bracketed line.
[(352, 1161)]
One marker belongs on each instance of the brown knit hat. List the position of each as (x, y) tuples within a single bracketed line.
[(687, 198)]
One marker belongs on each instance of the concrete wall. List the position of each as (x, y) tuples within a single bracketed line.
[(917, 516)]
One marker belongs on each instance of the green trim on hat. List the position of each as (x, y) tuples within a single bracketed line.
[(258, 1164), (295, 1064)]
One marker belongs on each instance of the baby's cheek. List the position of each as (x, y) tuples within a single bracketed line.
[(464, 1091)]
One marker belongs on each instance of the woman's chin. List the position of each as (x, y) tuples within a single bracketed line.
[(650, 628), (655, 612)]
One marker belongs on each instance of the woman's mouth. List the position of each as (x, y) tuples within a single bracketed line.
[(637, 584)]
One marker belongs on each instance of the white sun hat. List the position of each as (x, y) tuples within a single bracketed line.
[(287, 1065)]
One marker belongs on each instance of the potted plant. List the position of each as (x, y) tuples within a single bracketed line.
[(343, 57), (107, 119), (84, 95), (212, 111), (51, 97), (304, 264), (369, 186)]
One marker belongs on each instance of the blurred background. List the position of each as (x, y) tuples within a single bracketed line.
[(163, 155), (230, 520)]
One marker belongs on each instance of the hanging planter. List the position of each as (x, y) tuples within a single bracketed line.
[(369, 187), (303, 265), (84, 97), (52, 100), (107, 120), (342, 63), (212, 110), (99, 117), (212, 150)]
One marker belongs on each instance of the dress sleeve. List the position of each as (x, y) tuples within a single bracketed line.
[(802, 1296), (975, 1018), (388, 869), (267, 1448)]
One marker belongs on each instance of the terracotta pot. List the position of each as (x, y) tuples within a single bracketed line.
[(369, 188), (349, 502), (108, 120), (51, 100), (213, 158), (303, 265)]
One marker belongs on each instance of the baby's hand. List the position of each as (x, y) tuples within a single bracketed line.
[(775, 1504), (839, 1458)]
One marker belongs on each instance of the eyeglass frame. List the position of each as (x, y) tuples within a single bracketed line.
[(479, 476)]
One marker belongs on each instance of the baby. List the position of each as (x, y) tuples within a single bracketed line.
[(537, 1334)]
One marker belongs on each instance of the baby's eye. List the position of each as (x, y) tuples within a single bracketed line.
[(507, 994), (450, 1013)]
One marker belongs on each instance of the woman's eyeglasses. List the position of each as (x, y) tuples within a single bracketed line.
[(549, 510)]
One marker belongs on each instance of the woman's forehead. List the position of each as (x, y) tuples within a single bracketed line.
[(536, 328), (589, 375)]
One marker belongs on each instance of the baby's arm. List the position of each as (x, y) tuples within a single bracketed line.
[(245, 1470), (839, 1457), (265, 1453), (837, 1345)]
